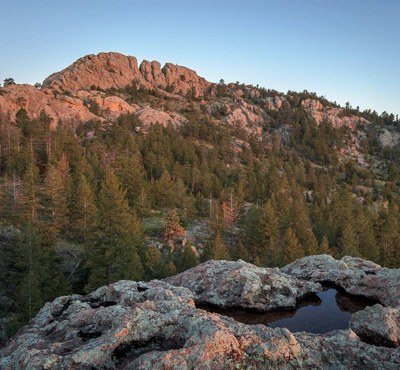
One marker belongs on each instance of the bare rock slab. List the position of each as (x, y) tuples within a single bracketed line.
[(378, 325), (355, 275), (241, 284)]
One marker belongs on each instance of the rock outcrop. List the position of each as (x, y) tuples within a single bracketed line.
[(355, 275), (114, 70), (336, 116), (149, 116), (61, 108), (240, 284), (378, 325), (155, 325)]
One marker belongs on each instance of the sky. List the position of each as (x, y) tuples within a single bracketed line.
[(345, 50)]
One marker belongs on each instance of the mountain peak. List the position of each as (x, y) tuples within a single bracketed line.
[(115, 70)]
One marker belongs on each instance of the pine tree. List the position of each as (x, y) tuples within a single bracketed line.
[(310, 243), (84, 217), (219, 250), (170, 269), (30, 190), (349, 241), (323, 247), (185, 258), (269, 250), (389, 237), (38, 280), (153, 263), (230, 212), (119, 237), (240, 252), (57, 185), (252, 233), (292, 249)]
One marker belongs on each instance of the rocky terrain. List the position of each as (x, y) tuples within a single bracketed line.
[(156, 325), (67, 96)]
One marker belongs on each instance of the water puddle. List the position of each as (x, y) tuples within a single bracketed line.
[(325, 311)]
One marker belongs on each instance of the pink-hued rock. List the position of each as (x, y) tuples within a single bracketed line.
[(115, 70), (335, 116), (104, 71), (34, 101), (149, 116)]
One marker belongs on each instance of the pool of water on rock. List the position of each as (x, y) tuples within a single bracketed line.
[(325, 311)]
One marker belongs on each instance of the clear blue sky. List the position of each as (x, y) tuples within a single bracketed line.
[(347, 50)]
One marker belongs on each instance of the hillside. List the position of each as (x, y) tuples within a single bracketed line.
[(111, 170)]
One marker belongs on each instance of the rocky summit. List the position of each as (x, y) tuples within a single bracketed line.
[(156, 324)]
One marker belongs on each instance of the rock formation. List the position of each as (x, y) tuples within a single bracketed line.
[(114, 70), (69, 96), (156, 325), (240, 284), (336, 116), (63, 108), (378, 325), (355, 275)]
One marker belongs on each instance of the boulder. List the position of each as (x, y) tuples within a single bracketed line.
[(240, 284), (355, 275), (155, 325), (378, 325)]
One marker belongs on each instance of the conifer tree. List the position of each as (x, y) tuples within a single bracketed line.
[(119, 237), (349, 241), (240, 252), (153, 263), (269, 251), (323, 247), (84, 215), (185, 258), (30, 190), (170, 269), (252, 233), (35, 270), (310, 243), (219, 250), (57, 185), (292, 249)]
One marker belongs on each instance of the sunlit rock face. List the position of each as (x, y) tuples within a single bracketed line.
[(114, 70), (156, 325)]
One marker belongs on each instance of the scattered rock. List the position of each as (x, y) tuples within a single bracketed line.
[(378, 325)]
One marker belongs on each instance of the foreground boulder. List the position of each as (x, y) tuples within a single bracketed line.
[(378, 325), (355, 275), (156, 325), (240, 284), (129, 325)]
